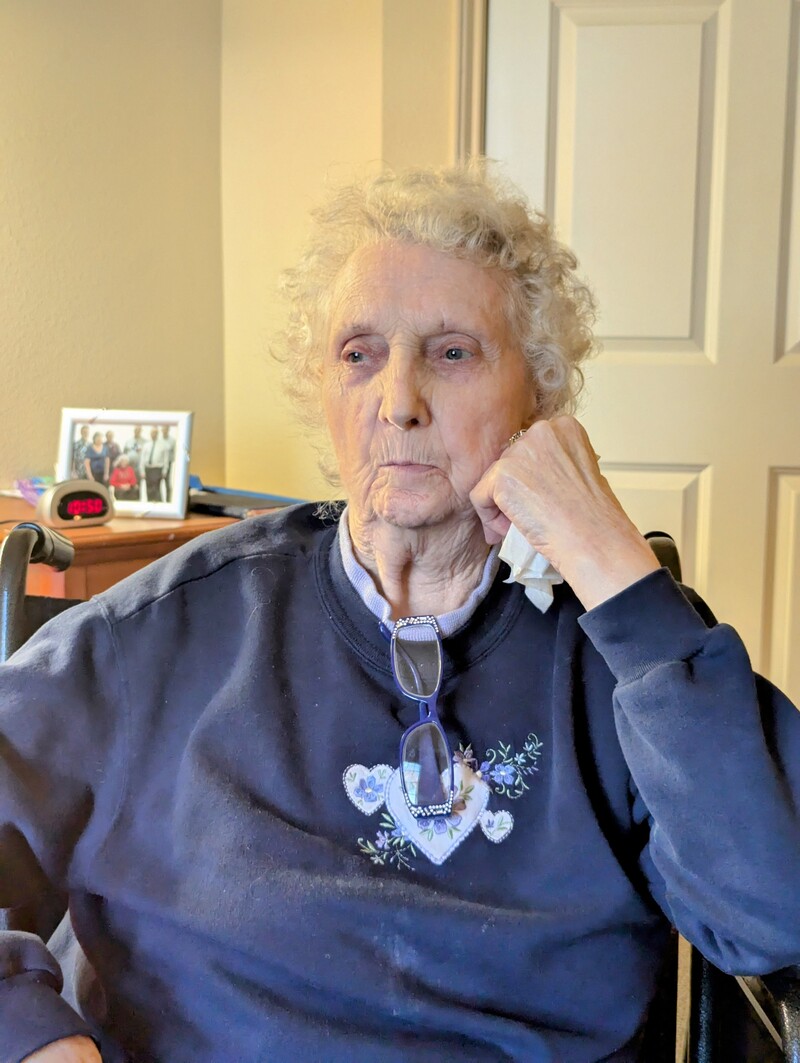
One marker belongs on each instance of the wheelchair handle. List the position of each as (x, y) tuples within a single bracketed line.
[(49, 547), (26, 543)]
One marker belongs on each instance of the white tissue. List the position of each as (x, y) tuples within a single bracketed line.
[(530, 568)]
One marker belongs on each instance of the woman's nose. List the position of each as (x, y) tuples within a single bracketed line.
[(403, 402)]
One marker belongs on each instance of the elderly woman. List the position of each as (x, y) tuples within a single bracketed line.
[(276, 844), (124, 481)]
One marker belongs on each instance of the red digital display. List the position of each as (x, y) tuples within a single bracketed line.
[(82, 505), (85, 507)]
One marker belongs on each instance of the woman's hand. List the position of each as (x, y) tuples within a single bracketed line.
[(67, 1050), (550, 486)]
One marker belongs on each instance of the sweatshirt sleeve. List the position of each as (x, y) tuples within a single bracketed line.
[(61, 767), (714, 755)]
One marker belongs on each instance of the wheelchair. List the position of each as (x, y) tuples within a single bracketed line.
[(731, 1019)]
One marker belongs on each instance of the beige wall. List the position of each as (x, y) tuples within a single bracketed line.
[(158, 160), (312, 92), (110, 264), (420, 55)]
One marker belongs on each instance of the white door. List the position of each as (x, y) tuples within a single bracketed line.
[(661, 136)]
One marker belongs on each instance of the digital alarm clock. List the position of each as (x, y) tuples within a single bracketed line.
[(75, 503)]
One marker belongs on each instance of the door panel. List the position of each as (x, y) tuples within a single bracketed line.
[(662, 138)]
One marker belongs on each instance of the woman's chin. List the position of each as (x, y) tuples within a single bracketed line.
[(414, 509), (408, 509)]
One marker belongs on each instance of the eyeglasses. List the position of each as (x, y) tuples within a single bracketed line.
[(426, 764)]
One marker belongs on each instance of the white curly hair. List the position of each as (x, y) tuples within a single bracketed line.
[(468, 211)]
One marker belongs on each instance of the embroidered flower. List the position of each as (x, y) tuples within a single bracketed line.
[(504, 774), (506, 771), (392, 846), (441, 824), (466, 757), (369, 789)]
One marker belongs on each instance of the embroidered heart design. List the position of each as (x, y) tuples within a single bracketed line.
[(496, 825), (439, 836), (366, 787)]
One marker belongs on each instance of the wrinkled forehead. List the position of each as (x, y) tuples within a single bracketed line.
[(391, 284)]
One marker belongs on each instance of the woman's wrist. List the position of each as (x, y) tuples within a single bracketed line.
[(607, 570)]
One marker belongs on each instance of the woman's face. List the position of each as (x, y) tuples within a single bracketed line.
[(423, 382)]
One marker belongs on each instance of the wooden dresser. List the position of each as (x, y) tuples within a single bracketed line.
[(106, 553)]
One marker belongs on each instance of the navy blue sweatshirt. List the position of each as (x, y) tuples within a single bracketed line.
[(202, 758)]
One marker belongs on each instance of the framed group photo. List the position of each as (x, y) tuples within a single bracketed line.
[(141, 456)]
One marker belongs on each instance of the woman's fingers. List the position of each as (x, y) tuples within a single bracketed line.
[(549, 485), (540, 475), (495, 522)]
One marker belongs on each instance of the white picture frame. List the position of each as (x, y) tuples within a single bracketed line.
[(164, 437)]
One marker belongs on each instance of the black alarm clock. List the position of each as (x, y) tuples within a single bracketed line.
[(75, 504)]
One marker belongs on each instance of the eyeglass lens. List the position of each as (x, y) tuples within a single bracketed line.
[(418, 660), (425, 763)]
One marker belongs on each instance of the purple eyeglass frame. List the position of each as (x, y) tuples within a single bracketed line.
[(427, 715)]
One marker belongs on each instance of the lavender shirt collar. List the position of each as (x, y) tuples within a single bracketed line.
[(365, 588)]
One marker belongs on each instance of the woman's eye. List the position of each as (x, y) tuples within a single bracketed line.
[(457, 354), (355, 357)]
